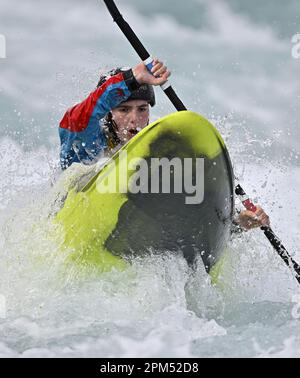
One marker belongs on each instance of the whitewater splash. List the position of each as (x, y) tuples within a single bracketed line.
[(145, 310)]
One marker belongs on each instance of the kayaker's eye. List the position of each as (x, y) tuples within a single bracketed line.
[(143, 109), (124, 110)]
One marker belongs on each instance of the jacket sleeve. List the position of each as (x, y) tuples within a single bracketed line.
[(81, 135)]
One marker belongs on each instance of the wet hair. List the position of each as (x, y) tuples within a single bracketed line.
[(110, 127)]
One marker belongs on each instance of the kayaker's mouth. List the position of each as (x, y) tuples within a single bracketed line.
[(134, 131)]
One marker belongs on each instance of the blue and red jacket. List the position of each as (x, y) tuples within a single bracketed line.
[(81, 134)]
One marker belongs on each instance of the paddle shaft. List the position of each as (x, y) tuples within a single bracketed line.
[(270, 235), (169, 91), (141, 51)]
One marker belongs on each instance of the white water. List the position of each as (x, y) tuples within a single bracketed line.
[(231, 63)]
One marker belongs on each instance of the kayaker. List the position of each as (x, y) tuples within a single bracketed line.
[(112, 114)]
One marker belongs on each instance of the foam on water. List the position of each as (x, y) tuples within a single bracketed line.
[(157, 307)]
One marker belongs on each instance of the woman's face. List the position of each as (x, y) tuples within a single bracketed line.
[(130, 117)]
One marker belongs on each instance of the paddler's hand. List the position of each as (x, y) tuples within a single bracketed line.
[(159, 75), (249, 220)]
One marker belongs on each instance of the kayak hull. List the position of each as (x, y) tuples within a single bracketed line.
[(142, 201)]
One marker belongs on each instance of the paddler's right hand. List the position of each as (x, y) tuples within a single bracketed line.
[(159, 75)]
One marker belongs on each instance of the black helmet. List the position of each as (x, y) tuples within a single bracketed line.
[(144, 92)]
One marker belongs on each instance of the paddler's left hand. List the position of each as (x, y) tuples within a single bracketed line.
[(249, 220)]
